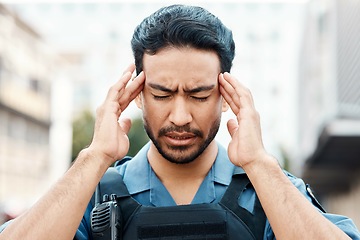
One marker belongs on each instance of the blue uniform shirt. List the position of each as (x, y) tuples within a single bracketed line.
[(147, 189)]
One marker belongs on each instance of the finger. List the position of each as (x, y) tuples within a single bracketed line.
[(132, 90), (234, 107), (136, 86), (232, 126), (130, 68), (125, 124), (116, 90), (228, 92), (242, 95)]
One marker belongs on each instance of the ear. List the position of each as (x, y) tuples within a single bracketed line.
[(225, 105), (138, 100)]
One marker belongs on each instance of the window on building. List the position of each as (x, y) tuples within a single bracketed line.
[(17, 128), (34, 84), (322, 22)]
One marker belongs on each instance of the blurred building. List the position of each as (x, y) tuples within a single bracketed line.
[(329, 100), (28, 67)]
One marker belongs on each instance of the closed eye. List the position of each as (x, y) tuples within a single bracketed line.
[(161, 97), (200, 99)]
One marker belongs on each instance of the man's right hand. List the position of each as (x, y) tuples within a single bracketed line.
[(110, 141)]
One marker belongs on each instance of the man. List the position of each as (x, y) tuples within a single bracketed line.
[(183, 57)]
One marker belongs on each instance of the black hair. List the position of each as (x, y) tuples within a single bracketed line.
[(182, 26)]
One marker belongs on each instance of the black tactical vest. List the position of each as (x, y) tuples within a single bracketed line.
[(119, 216)]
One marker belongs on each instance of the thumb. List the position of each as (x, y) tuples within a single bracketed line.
[(125, 124), (232, 126)]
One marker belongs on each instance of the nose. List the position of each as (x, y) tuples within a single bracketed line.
[(180, 114)]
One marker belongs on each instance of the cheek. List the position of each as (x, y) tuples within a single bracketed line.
[(207, 113), (153, 112), (212, 108)]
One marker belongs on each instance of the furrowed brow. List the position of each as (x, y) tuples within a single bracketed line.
[(161, 88), (200, 89)]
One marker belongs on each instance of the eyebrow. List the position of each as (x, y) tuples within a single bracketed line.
[(194, 90), (161, 88)]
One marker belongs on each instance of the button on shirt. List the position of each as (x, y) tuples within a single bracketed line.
[(147, 189)]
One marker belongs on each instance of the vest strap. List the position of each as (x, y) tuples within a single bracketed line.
[(112, 183), (255, 220)]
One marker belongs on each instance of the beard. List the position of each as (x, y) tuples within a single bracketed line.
[(178, 154)]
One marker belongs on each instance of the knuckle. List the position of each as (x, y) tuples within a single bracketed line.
[(247, 92), (112, 89)]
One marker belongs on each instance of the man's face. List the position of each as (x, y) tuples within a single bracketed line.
[(181, 101)]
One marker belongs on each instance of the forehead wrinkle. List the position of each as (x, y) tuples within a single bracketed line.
[(200, 89), (161, 88)]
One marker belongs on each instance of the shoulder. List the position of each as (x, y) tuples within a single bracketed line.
[(137, 163)]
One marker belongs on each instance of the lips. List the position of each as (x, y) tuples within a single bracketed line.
[(180, 139), (178, 135)]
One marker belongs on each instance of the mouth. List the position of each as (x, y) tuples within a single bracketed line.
[(180, 138)]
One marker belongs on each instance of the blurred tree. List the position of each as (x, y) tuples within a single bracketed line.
[(286, 158), (137, 136), (83, 130)]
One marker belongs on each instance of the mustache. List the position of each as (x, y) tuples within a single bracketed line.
[(185, 128)]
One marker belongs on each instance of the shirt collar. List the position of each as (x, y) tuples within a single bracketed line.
[(138, 170), (223, 167)]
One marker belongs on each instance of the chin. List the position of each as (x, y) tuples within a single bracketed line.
[(181, 156)]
